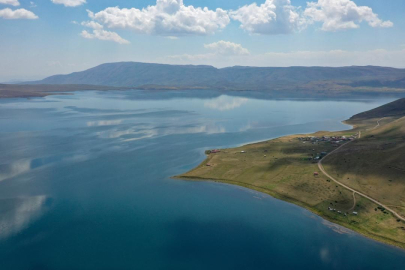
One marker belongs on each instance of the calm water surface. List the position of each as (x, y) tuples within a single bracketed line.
[(85, 184)]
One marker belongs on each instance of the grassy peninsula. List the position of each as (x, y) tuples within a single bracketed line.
[(366, 161)]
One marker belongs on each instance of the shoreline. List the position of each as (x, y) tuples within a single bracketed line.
[(42, 90), (283, 197), (277, 196), (28, 91)]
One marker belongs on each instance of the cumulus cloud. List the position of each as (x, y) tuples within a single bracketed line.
[(21, 13), (342, 14), (334, 58), (92, 24), (172, 18), (10, 2), (271, 17), (69, 3), (226, 47), (104, 35), (166, 18), (99, 33)]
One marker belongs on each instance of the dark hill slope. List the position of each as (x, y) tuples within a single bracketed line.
[(393, 109)]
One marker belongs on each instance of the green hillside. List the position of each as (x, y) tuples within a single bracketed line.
[(393, 109), (369, 159), (375, 163)]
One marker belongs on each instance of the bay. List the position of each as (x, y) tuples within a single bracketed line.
[(85, 183)]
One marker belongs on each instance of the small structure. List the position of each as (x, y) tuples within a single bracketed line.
[(355, 213), (215, 151), (242, 152), (316, 173)]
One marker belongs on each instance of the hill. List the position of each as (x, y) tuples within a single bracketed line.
[(393, 109), (310, 79), (369, 159)]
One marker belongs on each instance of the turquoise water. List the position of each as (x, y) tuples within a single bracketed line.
[(85, 184)]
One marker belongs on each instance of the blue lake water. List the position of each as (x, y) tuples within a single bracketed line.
[(85, 184)]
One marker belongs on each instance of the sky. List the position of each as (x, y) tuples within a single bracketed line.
[(45, 37)]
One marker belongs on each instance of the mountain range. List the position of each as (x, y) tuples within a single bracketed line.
[(161, 76)]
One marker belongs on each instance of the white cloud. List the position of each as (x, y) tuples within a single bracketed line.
[(101, 34), (10, 2), (342, 14), (272, 17), (166, 18), (69, 3), (334, 58), (33, 5), (104, 35), (219, 51), (92, 24), (17, 14), (225, 47)]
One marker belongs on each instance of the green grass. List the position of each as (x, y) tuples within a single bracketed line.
[(281, 168)]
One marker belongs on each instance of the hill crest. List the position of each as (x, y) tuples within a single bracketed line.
[(135, 74)]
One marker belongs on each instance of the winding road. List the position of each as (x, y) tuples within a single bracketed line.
[(378, 124), (353, 190)]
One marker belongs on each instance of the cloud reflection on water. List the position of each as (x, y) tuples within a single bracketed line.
[(14, 169), (23, 212), (103, 123), (225, 103), (23, 166), (138, 133)]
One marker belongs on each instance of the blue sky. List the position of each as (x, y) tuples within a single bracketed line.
[(45, 37)]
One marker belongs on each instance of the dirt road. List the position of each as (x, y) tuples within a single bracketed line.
[(353, 190)]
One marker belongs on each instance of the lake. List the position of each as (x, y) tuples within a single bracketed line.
[(85, 183)]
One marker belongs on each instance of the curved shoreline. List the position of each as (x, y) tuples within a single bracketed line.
[(286, 199), (312, 209)]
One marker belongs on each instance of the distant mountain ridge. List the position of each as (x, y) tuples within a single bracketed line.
[(146, 75)]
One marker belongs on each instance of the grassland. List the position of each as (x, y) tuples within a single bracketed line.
[(373, 164)]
